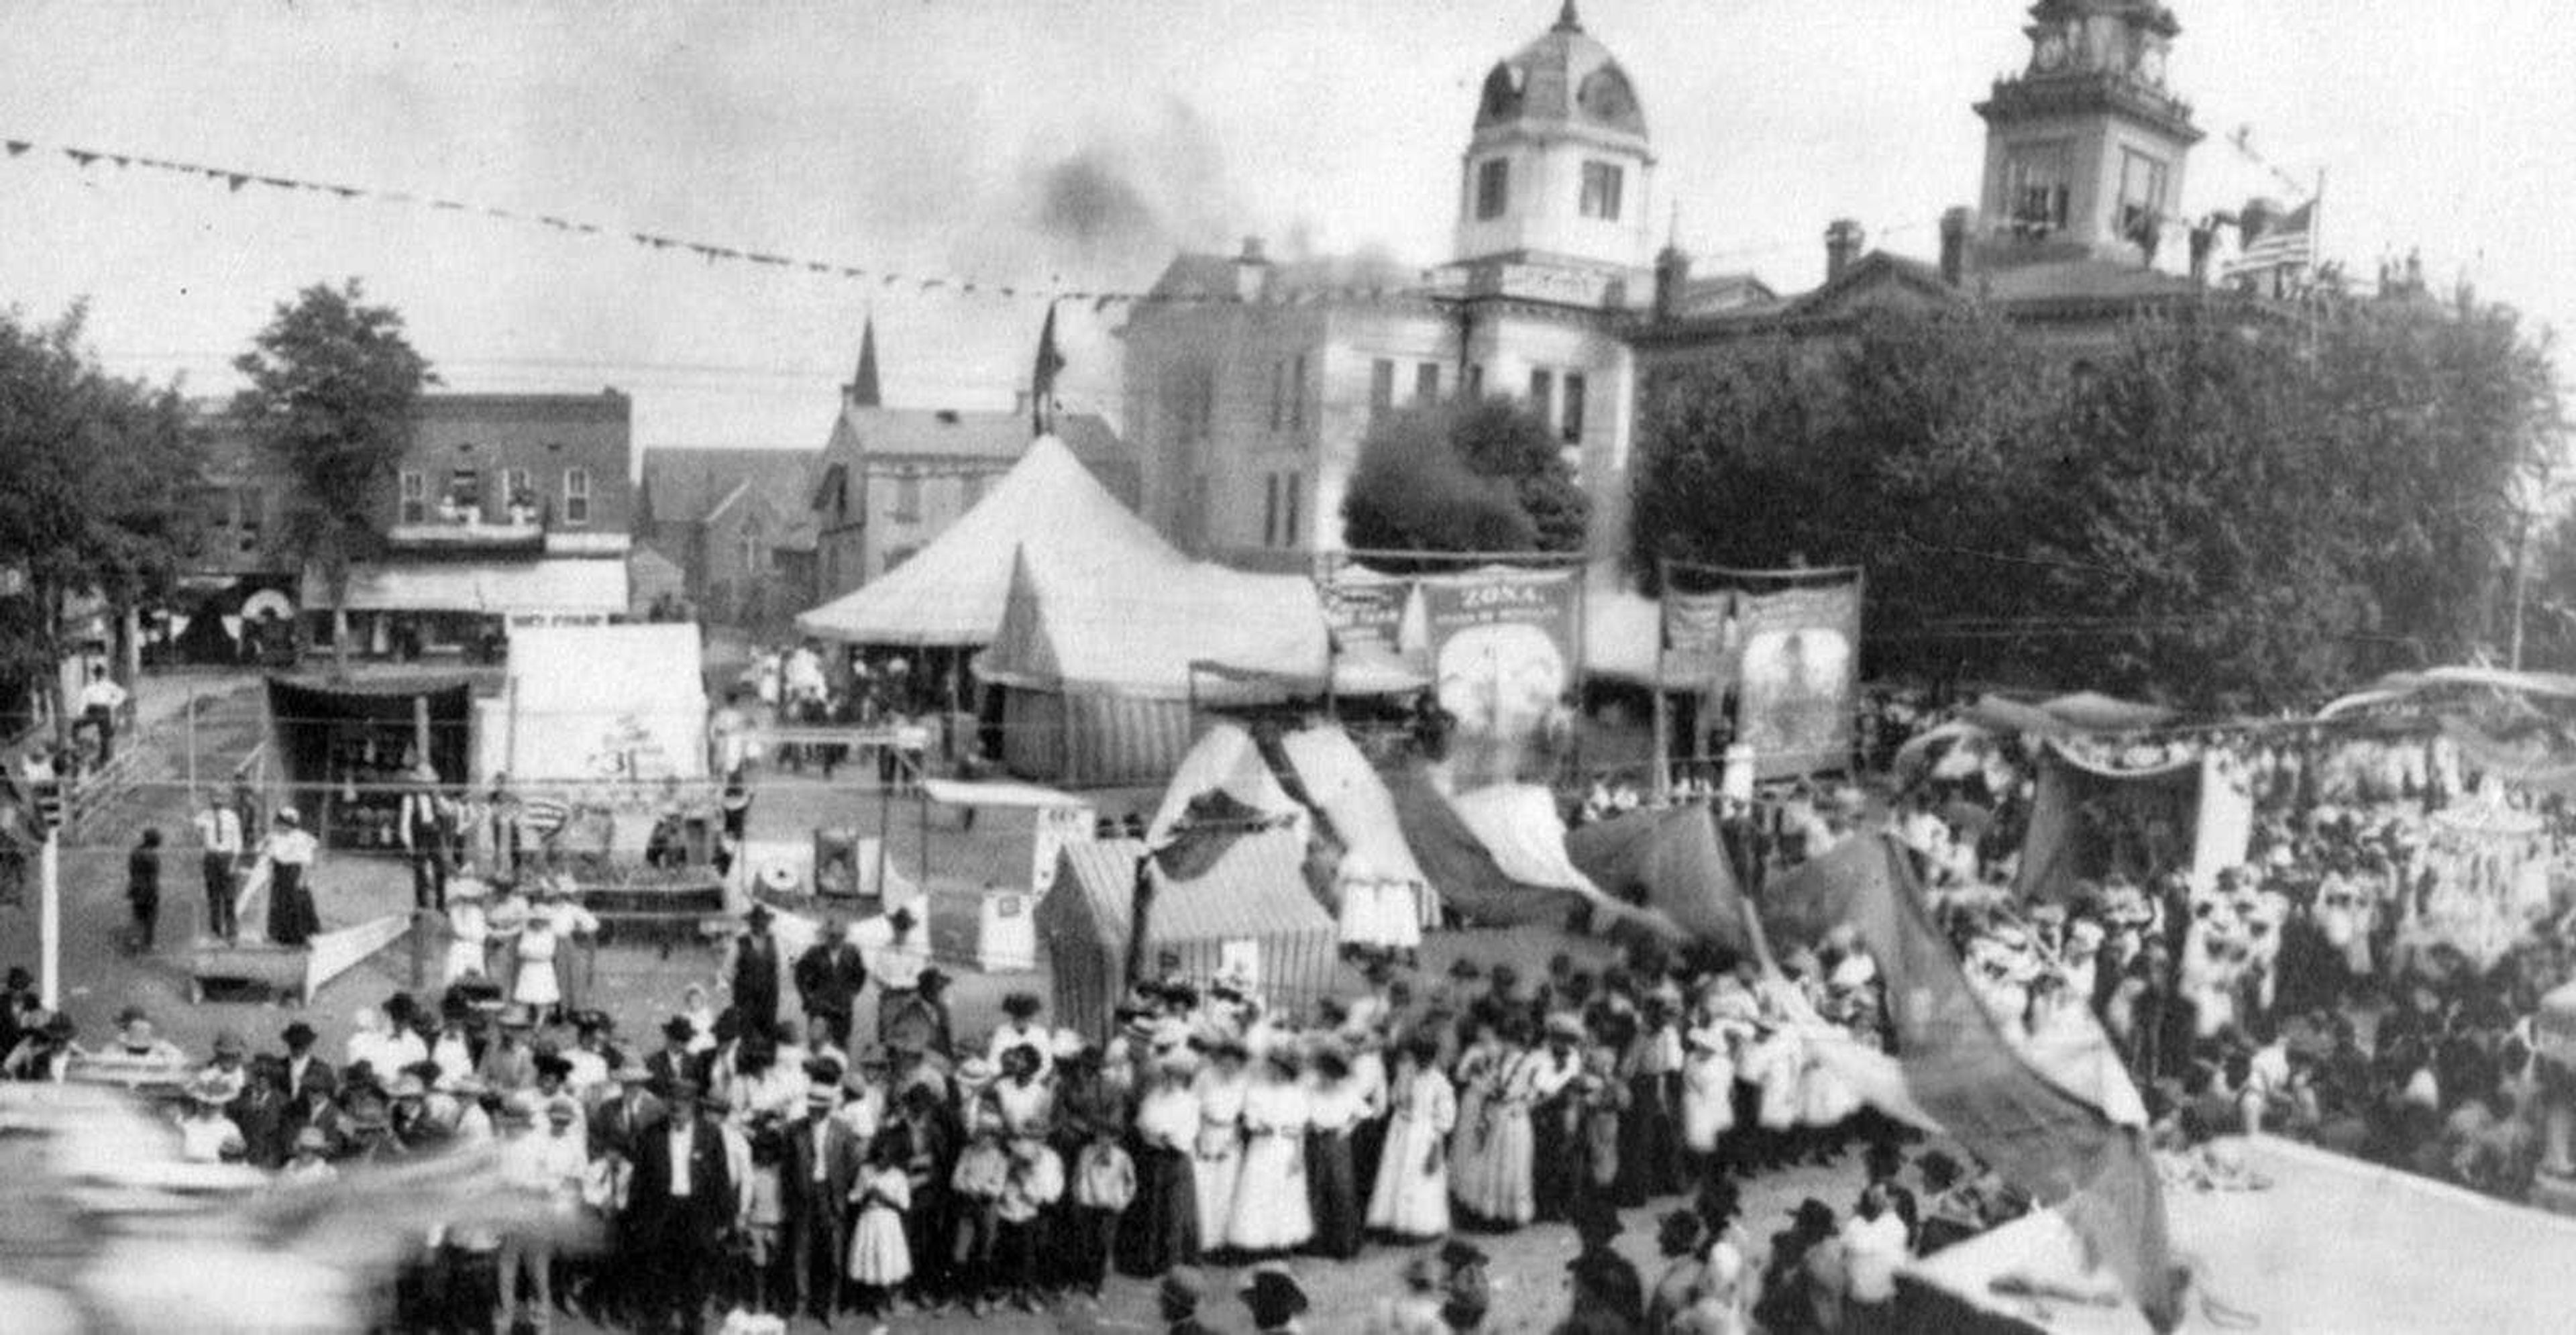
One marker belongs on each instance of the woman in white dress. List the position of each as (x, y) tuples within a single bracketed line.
[(1478, 1070), (468, 930), (1411, 1198), (1221, 1086), (1708, 1079), (1271, 1213), (1501, 1186), (536, 985), (880, 1257)]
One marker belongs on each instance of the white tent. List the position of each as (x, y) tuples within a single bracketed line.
[(605, 705), (952, 591)]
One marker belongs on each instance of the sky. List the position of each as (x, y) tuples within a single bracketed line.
[(1032, 143)]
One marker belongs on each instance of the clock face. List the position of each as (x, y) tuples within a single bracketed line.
[(2151, 65), (2051, 53)]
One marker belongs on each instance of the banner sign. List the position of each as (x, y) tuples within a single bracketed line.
[(1696, 639), (1797, 677), (1056, 828), (1504, 652), (1366, 613)]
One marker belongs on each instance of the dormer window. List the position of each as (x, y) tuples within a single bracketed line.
[(1602, 182), (1493, 188), (2142, 194)]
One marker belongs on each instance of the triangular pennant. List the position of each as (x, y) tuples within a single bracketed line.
[(120, 159), (586, 229), (347, 191), (965, 287), (556, 223), (1102, 304), (81, 156), (848, 272), (19, 146), (929, 283), (757, 258), (447, 204), (1009, 291), (281, 182), (235, 182)]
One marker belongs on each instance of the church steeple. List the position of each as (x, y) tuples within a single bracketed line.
[(1567, 20), (862, 390)]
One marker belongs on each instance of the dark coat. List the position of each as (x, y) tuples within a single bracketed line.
[(616, 1127), (709, 1208), (268, 1125), (830, 976), (755, 976), (817, 1219), (318, 1079)]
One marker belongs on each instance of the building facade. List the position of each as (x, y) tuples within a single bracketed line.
[(736, 523), (890, 480)]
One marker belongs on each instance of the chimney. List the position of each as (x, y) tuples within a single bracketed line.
[(2204, 240), (1954, 246), (2256, 218), (1843, 241), (1672, 274), (1251, 270)]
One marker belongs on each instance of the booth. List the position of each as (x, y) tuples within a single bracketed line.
[(2094, 817), (347, 749)]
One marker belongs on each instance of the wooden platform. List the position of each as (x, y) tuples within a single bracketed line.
[(280, 969)]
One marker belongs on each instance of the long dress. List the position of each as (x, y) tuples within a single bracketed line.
[(1478, 1069), (1218, 1153), (536, 984), (1708, 1089), (292, 920), (879, 1255), (467, 929), (1161, 1227), (1270, 1212), (1332, 1179), (1411, 1198), (1505, 1189)]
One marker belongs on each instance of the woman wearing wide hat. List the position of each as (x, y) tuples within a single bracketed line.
[(287, 855), (1270, 1211)]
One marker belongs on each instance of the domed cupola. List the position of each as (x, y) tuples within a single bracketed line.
[(1557, 166)]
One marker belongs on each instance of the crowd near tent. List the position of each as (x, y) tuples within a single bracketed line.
[(1249, 917), (348, 750), (613, 717), (2091, 819)]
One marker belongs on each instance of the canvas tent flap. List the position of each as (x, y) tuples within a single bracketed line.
[(1519, 826), (1347, 790), (1137, 627), (607, 703), (1225, 760), (1671, 862), (1459, 865), (952, 591)]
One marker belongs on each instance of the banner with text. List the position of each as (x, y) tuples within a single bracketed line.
[(1797, 677), (1365, 613), (1505, 652)]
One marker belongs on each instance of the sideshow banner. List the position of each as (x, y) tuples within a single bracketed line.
[(1695, 639), (1797, 677), (1056, 827), (1366, 613), (1503, 652)]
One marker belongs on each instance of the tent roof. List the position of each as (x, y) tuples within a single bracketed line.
[(1135, 622), (582, 667), (952, 591), (1256, 889)]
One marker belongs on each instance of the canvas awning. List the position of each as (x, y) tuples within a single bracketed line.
[(567, 586), (1001, 793)]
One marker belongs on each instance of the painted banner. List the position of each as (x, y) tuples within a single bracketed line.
[(1056, 827), (1797, 677), (1504, 654), (1366, 612), (1695, 639)]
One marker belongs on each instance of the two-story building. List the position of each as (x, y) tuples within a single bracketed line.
[(737, 524), (889, 480), (506, 508)]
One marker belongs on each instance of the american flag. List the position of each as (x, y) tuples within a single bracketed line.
[(2288, 243)]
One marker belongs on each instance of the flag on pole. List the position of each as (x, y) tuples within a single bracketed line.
[(2288, 243), (1042, 376)]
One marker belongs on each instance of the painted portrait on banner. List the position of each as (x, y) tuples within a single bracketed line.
[(1797, 678), (1503, 662)]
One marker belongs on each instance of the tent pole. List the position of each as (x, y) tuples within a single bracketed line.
[(1663, 710), (885, 823)]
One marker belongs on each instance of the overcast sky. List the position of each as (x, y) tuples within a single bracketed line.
[(1016, 141)]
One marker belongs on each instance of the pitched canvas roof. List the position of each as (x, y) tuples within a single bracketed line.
[(953, 591), (1138, 623), (1256, 889)]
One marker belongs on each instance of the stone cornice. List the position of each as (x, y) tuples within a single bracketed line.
[(2089, 92)]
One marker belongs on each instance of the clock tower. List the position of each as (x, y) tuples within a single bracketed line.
[(1558, 170), (2085, 147)]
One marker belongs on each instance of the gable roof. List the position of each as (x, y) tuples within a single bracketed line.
[(985, 434), (1150, 624), (954, 590), (687, 486)]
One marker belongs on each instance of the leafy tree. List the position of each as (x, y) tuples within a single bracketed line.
[(1482, 476), (333, 382), (99, 495)]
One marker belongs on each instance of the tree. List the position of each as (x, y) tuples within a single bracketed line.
[(333, 382), (99, 495), (1482, 476)]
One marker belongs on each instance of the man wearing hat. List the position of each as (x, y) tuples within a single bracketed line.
[(307, 1076), (508, 1062), (829, 977), (676, 1059), (753, 971), (1276, 1301), (262, 1112), (45, 1053), (679, 1205), (226, 1069), (816, 1173), (427, 822)]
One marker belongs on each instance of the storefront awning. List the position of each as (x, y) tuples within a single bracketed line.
[(564, 586)]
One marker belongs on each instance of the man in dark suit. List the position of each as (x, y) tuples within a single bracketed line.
[(753, 972), (679, 1208), (829, 978), (675, 1062), (814, 1182), (307, 1076), (621, 1122), (264, 1114)]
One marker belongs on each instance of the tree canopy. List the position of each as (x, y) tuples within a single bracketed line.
[(333, 381), (2232, 508), (100, 495), (1468, 476)]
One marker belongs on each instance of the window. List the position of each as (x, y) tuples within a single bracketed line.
[(1601, 186), (1426, 382), (752, 552), (2142, 193), (1270, 509), (465, 490), (1288, 526), (414, 489), (1493, 188), (2035, 188), (1278, 394), (1475, 380), (576, 506), (1542, 393), (1297, 394), (518, 490), (907, 498), (250, 512), (1381, 385), (1573, 408)]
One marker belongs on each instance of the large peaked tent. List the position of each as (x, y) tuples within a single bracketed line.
[(952, 592)]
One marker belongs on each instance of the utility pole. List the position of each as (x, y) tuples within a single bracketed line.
[(49, 920)]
